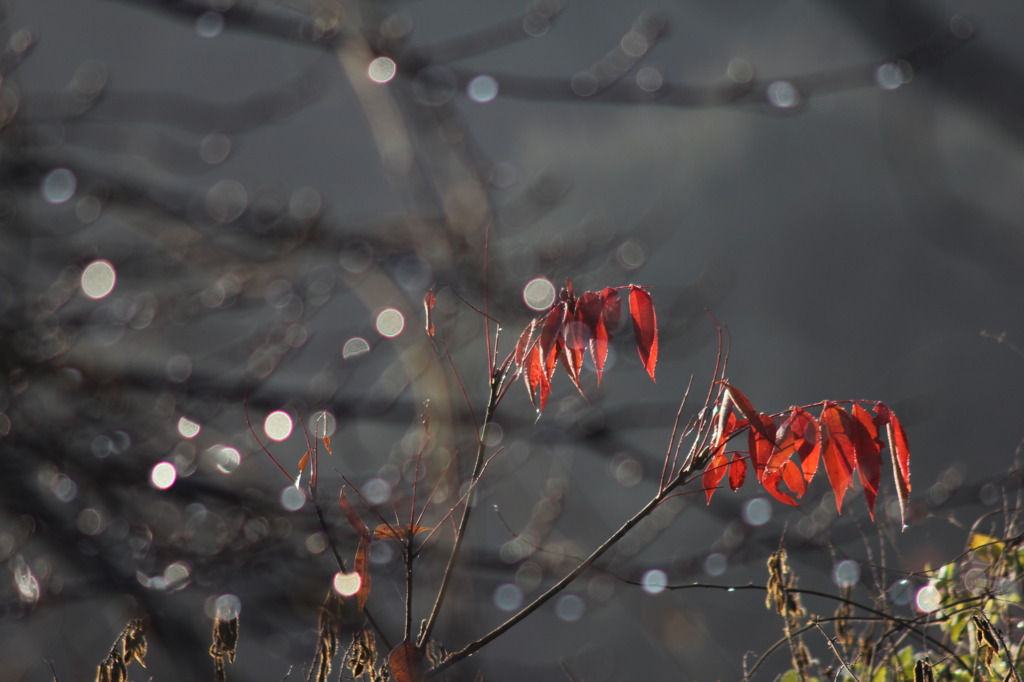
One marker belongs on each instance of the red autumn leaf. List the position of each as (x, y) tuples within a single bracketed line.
[(749, 413), (304, 461), (645, 327), (837, 450), (406, 663), (771, 481), (798, 434), (868, 451), (714, 473), (573, 343), (428, 309), (759, 445), (327, 444), (737, 471), (793, 477), (401, 532), (536, 378), (523, 344), (599, 347), (612, 310), (900, 455), (599, 312), (361, 567)]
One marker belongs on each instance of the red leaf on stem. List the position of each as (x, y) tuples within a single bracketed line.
[(837, 450), (759, 444), (749, 413), (868, 451), (737, 471), (645, 327), (900, 455), (714, 472)]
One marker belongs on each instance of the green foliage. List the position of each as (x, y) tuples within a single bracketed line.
[(967, 623)]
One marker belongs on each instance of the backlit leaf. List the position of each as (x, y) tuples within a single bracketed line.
[(868, 453), (737, 471), (401, 532), (771, 480), (837, 450), (760, 445), (900, 455), (716, 470), (645, 327), (747, 410)]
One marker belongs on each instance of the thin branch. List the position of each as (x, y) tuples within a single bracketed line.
[(460, 533)]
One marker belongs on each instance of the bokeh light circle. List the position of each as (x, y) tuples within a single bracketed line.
[(347, 584), (278, 425), (382, 70), (390, 323), (539, 293), (163, 475), (98, 279)]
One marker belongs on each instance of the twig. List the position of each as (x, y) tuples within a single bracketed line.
[(460, 532)]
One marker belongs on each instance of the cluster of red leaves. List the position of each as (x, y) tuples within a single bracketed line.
[(845, 441), (575, 325)]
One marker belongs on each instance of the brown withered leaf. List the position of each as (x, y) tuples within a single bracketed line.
[(406, 663), (386, 531)]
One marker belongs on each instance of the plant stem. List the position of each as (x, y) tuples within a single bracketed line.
[(475, 646), (492, 402)]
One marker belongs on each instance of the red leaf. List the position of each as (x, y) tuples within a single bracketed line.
[(428, 309), (759, 444), (798, 434), (537, 378), (406, 663), (304, 461), (714, 473), (551, 335), (327, 444), (794, 478), (573, 343), (612, 310), (645, 327), (361, 567), (837, 450), (599, 348), (737, 471), (771, 481), (869, 457), (749, 413), (599, 312), (900, 455), (523, 344)]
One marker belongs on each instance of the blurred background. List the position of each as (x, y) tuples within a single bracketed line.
[(216, 212)]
